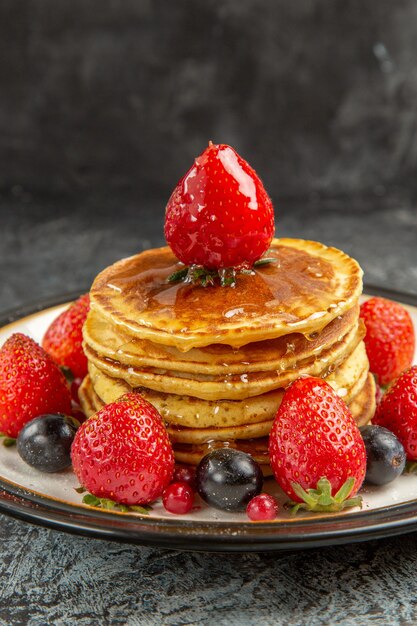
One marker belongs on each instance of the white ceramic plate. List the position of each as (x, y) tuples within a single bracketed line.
[(51, 499)]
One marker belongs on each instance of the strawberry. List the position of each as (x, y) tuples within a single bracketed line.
[(316, 451), (31, 384), (63, 339), (123, 452), (389, 339), (219, 215), (397, 411)]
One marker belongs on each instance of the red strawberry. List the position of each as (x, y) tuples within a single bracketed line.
[(397, 411), (31, 384), (219, 215), (315, 444), (63, 339), (123, 452), (389, 340)]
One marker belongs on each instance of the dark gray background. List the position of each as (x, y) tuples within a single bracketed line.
[(103, 106), (101, 96)]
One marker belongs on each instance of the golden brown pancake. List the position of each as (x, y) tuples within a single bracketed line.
[(306, 287), (195, 414), (364, 403), (183, 410), (258, 448), (191, 452), (230, 386), (215, 361), (188, 411), (110, 342)]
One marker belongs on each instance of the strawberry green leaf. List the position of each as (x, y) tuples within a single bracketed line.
[(111, 505), (178, 276), (91, 500), (8, 442), (411, 467), (227, 277), (67, 373), (141, 509), (321, 498), (80, 489), (264, 261)]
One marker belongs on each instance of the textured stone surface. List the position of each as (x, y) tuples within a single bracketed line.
[(48, 577)]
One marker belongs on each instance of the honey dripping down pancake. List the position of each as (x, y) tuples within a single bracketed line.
[(110, 342), (192, 412), (229, 386)]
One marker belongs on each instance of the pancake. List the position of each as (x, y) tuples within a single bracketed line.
[(230, 386), (204, 435), (184, 453), (182, 410), (192, 454), (363, 404), (362, 408), (89, 400), (110, 342), (306, 287), (215, 361), (191, 412)]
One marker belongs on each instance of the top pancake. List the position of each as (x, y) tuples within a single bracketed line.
[(281, 353), (307, 286)]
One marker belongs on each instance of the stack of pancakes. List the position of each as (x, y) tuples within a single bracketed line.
[(215, 361)]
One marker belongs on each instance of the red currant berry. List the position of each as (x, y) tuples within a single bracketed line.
[(184, 474), (75, 385), (178, 498), (378, 393), (78, 414), (262, 507)]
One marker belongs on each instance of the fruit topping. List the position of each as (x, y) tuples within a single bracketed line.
[(219, 216), (63, 339), (316, 451), (45, 442), (385, 455), (31, 384), (228, 479), (78, 414), (389, 339), (397, 411), (184, 474), (75, 385), (123, 452), (262, 508), (178, 498)]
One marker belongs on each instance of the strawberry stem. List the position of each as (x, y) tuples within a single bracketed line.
[(321, 498), (264, 261), (197, 274), (178, 276)]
